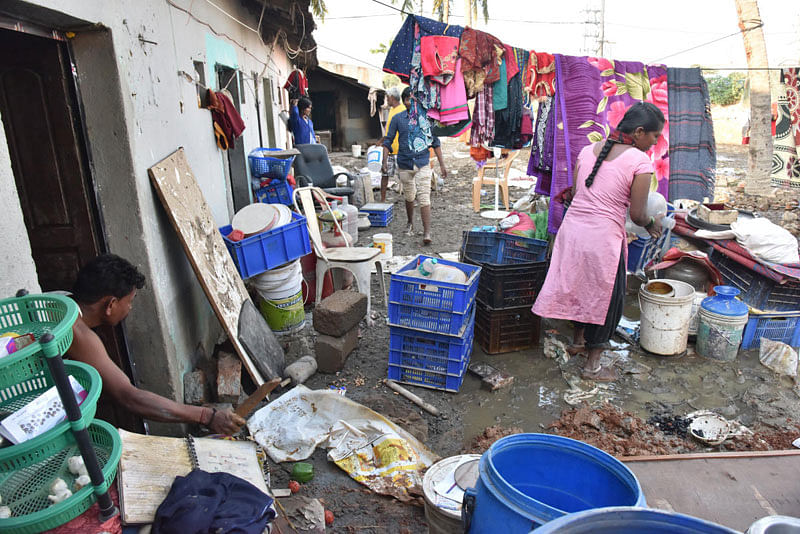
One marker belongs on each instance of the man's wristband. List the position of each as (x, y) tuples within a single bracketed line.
[(210, 419)]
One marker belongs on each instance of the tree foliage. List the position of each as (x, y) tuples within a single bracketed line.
[(726, 90)]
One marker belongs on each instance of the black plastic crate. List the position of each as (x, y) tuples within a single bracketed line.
[(757, 290), (509, 286), (509, 330)]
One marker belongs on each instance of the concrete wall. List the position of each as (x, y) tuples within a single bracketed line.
[(139, 109), (17, 269)]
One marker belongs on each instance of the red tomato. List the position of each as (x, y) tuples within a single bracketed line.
[(294, 486), (328, 517)]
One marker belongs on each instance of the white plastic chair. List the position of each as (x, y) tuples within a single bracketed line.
[(357, 260)]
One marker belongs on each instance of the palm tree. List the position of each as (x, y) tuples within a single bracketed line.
[(319, 9), (760, 149)]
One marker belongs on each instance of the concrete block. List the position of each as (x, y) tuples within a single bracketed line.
[(195, 388), (332, 352), (229, 378), (339, 313)]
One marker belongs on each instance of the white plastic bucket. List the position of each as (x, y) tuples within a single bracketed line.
[(665, 320), (375, 158), (383, 242), (356, 151), (694, 322), (281, 301), (279, 283), (443, 512), (719, 336)]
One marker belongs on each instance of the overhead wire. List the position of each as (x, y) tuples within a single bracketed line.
[(742, 31)]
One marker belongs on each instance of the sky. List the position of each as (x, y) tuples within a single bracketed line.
[(651, 32)]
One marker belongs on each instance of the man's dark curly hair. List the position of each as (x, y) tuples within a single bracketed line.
[(106, 275)]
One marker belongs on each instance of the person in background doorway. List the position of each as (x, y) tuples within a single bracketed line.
[(393, 98), (104, 290), (585, 282), (300, 123), (415, 174)]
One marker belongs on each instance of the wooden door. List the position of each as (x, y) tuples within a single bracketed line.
[(43, 131)]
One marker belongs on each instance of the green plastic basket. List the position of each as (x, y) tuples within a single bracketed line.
[(25, 490), (20, 394), (37, 315)]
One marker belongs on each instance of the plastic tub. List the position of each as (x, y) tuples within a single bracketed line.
[(383, 242), (665, 319), (527, 480), (630, 520)]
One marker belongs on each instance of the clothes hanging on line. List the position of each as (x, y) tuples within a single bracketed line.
[(692, 149), (398, 58), (482, 132), (591, 97), (453, 106), (438, 56), (540, 75), (481, 55), (785, 154)]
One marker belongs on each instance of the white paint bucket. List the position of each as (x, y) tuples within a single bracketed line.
[(281, 297), (694, 322), (383, 242), (665, 320), (443, 512), (375, 158), (356, 151)]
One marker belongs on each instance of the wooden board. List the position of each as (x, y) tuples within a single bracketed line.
[(731, 489), (149, 465), (190, 216)]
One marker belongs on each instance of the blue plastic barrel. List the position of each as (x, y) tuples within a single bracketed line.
[(630, 520), (527, 480)]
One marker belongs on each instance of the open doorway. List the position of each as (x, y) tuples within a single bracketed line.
[(41, 119)]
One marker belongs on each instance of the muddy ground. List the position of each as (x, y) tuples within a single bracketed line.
[(613, 417)]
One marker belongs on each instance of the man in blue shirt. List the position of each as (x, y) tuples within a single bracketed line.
[(300, 122), (414, 170)]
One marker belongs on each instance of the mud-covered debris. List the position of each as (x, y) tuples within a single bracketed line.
[(497, 380), (616, 432), (484, 440), (675, 425)]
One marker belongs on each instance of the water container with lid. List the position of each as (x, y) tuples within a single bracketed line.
[(722, 321), (351, 219)]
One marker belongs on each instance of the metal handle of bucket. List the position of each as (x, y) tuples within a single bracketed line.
[(468, 507)]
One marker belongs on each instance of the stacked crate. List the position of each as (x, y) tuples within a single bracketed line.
[(269, 176), (774, 307), (513, 269), (431, 326)]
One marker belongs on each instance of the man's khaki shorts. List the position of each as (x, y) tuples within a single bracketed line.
[(416, 185)]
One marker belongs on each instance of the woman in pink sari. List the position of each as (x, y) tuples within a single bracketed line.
[(586, 279)]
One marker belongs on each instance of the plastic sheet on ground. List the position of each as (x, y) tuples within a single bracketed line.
[(778, 356), (370, 448)]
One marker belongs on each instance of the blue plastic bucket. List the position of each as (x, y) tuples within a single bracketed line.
[(527, 480), (629, 520), (635, 251)]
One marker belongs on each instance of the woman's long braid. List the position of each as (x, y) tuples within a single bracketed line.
[(600, 157)]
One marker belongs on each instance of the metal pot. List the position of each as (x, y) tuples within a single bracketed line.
[(689, 271)]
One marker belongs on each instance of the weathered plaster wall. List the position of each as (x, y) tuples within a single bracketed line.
[(17, 269), (139, 109)]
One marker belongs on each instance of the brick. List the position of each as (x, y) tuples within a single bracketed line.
[(339, 313), (195, 388), (332, 352), (229, 377)]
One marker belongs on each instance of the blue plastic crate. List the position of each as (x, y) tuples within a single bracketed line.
[(267, 250), (378, 214), (443, 296), (263, 166), (777, 327), (502, 249), (429, 360), (434, 321), (757, 290), (276, 192)]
